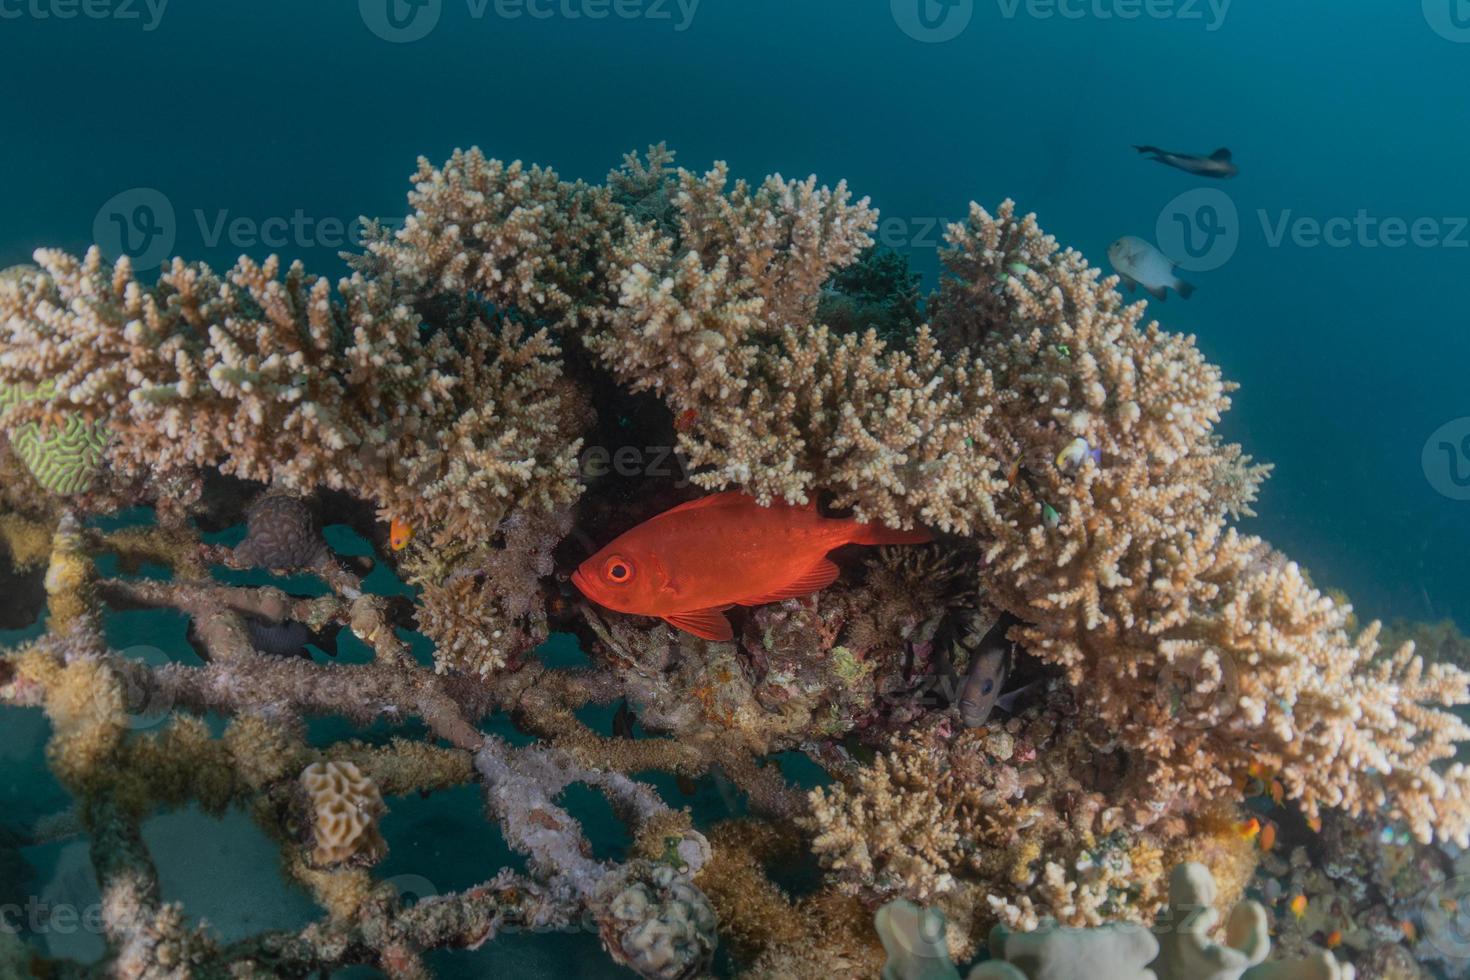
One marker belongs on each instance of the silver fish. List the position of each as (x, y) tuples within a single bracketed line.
[(1140, 264), (1217, 164), (991, 659)]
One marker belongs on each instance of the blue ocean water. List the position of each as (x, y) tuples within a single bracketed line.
[(224, 127), (1350, 355)]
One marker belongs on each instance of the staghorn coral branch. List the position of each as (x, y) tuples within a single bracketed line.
[(392, 936), (521, 787), (264, 602), (362, 693)]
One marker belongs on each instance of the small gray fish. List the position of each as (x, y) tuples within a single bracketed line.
[(1217, 164), (990, 665), (1140, 264), (289, 638), (623, 721)]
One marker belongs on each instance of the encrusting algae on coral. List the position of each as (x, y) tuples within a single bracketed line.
[(1165, 691)]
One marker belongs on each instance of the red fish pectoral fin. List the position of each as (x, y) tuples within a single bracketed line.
[(814, 579), (707, 624)]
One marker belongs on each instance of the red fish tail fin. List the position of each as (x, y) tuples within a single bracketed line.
[(878, 534)]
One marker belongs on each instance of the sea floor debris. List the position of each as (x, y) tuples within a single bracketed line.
[(1169, 691)]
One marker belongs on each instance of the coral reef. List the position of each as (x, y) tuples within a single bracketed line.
[(1173, 690), (1179, 947), (1140, 585)]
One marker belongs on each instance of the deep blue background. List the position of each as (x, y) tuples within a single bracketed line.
[(1348, 357)]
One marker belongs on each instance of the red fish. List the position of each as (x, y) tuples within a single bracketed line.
[(690, 564)]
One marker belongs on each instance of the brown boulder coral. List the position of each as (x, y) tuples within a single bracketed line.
[(345, 807)]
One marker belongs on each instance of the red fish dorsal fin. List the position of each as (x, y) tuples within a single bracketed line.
[(707, 624), (814, 579), (701, 502)]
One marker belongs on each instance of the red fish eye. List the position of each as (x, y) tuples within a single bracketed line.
[(618, 570)]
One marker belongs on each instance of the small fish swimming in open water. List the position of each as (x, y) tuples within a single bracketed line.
[(690, 564), (1140, 264), (1217, 164)]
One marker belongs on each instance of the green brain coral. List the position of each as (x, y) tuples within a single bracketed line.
[(65, 459)]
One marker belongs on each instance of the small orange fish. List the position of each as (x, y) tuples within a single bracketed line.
[(1315, 823), (1410, 931), (1278, 792), (1334, 939), (399, 535), (1268, 837), (689, 564), (685, 420), (1250, 828), (1298, 906)]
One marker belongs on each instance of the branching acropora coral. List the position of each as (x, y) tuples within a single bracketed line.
[(1207, 650), (268, 379)]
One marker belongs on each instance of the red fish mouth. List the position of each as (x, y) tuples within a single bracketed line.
[(580, 581)]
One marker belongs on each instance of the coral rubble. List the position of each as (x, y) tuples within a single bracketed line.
[(1164, 672)]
